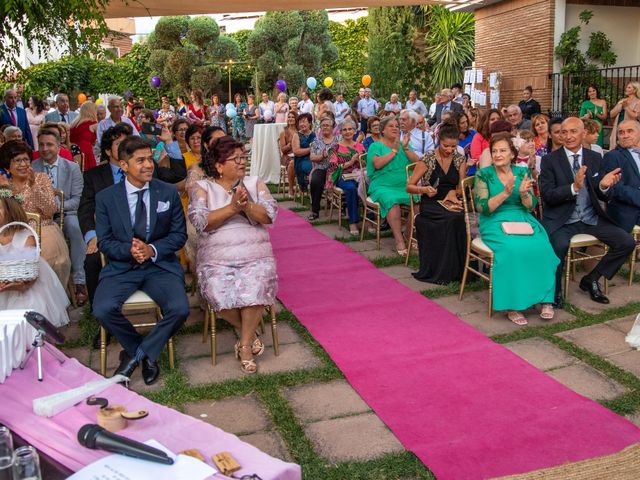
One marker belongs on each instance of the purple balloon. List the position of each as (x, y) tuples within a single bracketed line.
[(127, 93), (281, 85), (155, 82)]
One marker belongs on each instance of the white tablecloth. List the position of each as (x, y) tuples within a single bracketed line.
[(265, 151)]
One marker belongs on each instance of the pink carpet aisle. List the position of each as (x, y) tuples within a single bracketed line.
[(467, 407)]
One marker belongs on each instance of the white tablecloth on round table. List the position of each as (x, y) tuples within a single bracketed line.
[(265, 151)]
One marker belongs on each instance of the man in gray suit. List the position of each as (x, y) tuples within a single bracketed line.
[(65, 175), (62, 112)]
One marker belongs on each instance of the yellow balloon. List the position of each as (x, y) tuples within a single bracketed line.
[(328, 82), (366, 80), (99, 101)]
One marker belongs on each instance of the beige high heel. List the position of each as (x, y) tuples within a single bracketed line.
[(246, 366), (257, 347)]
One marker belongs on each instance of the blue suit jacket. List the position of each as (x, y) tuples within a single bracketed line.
[(167, 232), (23, 123), (624, 206)]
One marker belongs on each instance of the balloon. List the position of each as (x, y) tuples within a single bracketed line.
[(128, 92), (312, 83), (82, 98), (366, 80), (229, 105), (268, 116), (231, 112), (99, 101), (328, 82), (155, 82), (281, 85)]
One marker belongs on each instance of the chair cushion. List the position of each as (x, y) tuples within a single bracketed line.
[(583, 240), (138, 297), (338, 190), (480, 245)]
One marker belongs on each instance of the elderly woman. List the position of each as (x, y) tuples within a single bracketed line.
[(165, 115), (373, 129), (45, 294), (386, 167), (626, 109), (12, 133), (235, 264), (301, 147), (346, 157), (37, 192), (440, 227), (524, 266), (594, 108), (321, 149)]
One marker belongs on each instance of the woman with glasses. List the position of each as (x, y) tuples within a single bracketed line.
[(321, 149), (235, 264), (37, 192), (347, 157), (179, 130), (373, 127)]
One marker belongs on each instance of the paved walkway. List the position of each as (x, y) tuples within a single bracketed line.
[(300, 408)]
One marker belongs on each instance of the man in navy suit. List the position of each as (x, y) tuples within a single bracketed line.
[(140, 226), (11, 114), (624, 206), (572, 183)]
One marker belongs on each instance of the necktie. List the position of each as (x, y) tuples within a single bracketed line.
[(49, 169), (140, 219), (13, 118), (576, 163), (63, 118), (120, 175), (636, 151)]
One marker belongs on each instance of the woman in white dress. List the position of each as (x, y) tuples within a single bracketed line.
[(35, 117), (45, 294), (235, 264)]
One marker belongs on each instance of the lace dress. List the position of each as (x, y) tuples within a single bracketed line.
[(46, 295), (235, 263)]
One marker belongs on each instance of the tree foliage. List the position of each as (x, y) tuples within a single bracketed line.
[(185, 53), (350, 38), (291, 45), (599, 51), (41, 24)]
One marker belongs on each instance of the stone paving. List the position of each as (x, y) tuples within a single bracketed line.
[(339, 425)]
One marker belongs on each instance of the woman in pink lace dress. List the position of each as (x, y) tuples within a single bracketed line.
[(235, 264)]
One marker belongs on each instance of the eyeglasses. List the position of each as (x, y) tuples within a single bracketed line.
[(239, 159), (182, 130), (18, 161)]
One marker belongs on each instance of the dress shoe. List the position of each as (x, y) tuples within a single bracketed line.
[(593, 287), (150, 371), (558, 302), (96, 340), (127, 365), (81, 295)]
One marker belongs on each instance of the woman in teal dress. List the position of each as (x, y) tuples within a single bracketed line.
[(594, 108), (387, 161), (524, 266)]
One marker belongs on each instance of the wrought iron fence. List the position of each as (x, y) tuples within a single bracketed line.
[(569, 90)]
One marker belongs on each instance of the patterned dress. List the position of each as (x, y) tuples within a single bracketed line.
[(235, 263)]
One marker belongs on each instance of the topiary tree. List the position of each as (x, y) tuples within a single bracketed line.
[(184, 53), (291, 45)]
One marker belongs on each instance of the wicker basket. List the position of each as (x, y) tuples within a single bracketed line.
[(20, 270)]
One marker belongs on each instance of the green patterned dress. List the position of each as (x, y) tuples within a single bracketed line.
[(524, 266)]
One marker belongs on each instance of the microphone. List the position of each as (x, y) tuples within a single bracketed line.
[(97, 438)]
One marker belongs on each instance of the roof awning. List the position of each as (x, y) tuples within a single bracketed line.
[(160, 8)]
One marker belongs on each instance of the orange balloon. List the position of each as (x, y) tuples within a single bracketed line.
[(82, 98), (366, 80)]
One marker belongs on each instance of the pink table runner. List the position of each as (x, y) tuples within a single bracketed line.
[(56, 436)]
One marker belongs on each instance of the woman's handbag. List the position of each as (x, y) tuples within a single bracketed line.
[(517, 228), (21, 269)]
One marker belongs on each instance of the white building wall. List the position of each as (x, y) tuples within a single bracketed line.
[(620, 24)]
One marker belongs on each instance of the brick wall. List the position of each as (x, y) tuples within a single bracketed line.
[(515, 37), (118, 40)]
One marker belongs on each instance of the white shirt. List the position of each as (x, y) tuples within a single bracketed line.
[(420, 141), (132, 199), (570, 155), (635, 155), (432, 109), (338, 108), (108, 123), (305, 106), (267, 106), (416, 106)]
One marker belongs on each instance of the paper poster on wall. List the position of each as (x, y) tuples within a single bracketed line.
[(494, 97), (473, 76), (467, 76), (467, 89), (479, 75), (493, 79)]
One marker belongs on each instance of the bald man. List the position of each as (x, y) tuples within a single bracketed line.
[(624, 204), (572, 181)]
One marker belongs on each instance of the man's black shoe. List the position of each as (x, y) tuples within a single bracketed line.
[(558, 303), (127, 365), (593, 287), (385, 226), (96, 340), (150, 371)]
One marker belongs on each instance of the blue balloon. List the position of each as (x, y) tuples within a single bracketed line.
[(229, 105), (231, 112), (312, 83)]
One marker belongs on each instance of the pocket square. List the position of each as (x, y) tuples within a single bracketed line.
[(595, 175), (163, 207)]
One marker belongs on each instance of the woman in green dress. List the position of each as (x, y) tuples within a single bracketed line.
[(524, 266), (386, 168), (594, 108)]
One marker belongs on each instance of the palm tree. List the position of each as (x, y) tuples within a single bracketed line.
[(450, 44)]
